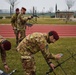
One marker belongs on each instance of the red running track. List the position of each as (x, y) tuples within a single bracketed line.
[(63, 30)]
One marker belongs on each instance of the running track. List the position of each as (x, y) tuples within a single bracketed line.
[(63, 30)]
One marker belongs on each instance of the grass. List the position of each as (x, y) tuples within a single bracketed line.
[(5, 21), (53, 21), (42, 21), (61, 46)]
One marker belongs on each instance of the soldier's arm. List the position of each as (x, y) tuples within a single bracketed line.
[(45, 51), (25, 19), (3, 56)]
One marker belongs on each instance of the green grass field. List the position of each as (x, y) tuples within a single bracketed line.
[(43, 21), (61, 46)]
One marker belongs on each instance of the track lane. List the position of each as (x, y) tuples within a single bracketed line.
[(63, 30)]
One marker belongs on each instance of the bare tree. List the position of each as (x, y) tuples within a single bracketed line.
[(12, 5), (50, 11), (70, 3)]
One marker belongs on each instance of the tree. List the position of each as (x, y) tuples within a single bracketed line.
[(70, 3), (12, 5), (50, 11)]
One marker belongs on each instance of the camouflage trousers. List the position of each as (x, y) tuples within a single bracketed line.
[(29, 65), (16, 35), (21, 35)]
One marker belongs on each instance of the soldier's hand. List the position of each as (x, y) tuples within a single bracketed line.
[(6, 67), (52, 65), (30, 17), (58, 56)]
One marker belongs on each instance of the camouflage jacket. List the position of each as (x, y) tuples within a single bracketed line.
[(3, 53), (34, 43), (21, 22), (14, 20)]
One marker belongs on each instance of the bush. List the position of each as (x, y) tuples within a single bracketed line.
[(1, 17)]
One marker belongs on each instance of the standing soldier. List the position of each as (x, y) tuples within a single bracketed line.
[(5, 45), (14, 24), (34, 43), (21, 23)]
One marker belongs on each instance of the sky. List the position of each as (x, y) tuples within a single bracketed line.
[(40, 5)]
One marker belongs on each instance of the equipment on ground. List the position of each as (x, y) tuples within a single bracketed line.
[(59, 64), (4, 73)]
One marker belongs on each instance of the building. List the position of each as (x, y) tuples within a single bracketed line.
[(64, 14)]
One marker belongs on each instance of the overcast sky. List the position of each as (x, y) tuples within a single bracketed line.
[(40, 5)]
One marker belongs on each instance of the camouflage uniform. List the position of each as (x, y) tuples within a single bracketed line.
[(14, 25), (30, 45), (3, 53), (21, 25)]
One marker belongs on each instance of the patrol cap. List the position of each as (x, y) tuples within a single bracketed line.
[(6, 45), (17, 9), (23, 8), (55, 34)]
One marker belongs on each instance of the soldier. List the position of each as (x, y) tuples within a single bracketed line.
[(34, 43), (14, 24), (5, 45), (21, 23)]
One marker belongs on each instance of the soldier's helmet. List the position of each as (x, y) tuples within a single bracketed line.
[(23, 8), (6, 45), (17, 9), (55, 34)]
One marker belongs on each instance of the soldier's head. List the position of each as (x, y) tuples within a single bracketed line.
[(17, 10), (5, 45), (52, 36), (23, 10)]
